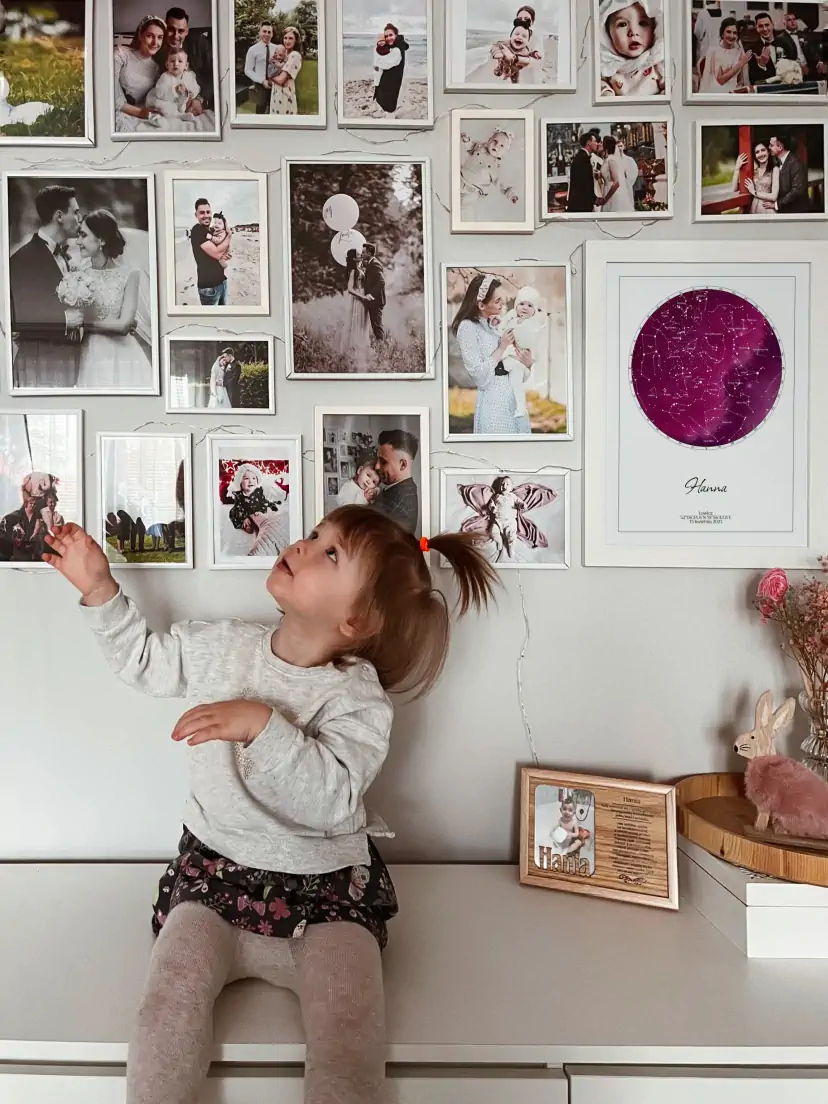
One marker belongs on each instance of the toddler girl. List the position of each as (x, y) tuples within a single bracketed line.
[(277, 877), (515, 54), (249, 501), (480, 167), (173, 91), (632, 48), (363, 489), (527, 325)]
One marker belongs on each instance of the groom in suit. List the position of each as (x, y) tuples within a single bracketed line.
[(47, 352), (581, 195), (232, 377), (374, 290), (793, 198)]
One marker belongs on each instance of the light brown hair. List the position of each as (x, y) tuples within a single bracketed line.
[(403, 623)]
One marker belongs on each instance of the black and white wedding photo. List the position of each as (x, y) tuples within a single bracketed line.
[(358, 269), (81, 296), (217, 244), (226, 373), (164, 71)]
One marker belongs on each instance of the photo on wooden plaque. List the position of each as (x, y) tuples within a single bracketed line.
[(608, 837)]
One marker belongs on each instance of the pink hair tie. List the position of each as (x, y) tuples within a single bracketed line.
[(424, 545)]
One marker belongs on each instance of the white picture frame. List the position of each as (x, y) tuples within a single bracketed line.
[(635, 97), (486, 475), (186, 440), (387, 123), (77, 515), (789, 125), (752, 501), (149, 296), (218, 339), (422, 413), (663, 142), (193, 310), (160, 133), (496, 120), (245, 448)]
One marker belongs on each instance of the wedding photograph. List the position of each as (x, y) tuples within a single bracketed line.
[(80, 310), (358, 269), (496, 46), (255, 495), (385, 64), (145, 487), (380, 460), (607, 169), (755, 49), (222, 374), (165, 81), (766, 170), (492, 172), (46, 73), (41, 480), (507, 352), (521, 518), (278, 63), (217, 253), (631, 48)]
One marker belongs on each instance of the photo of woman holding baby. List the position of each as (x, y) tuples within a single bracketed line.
[(165, 77), (631, 50)]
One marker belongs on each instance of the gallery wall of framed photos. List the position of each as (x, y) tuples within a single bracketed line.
[(553, 273)]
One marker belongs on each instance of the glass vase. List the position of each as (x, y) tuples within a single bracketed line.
[(815, 745)]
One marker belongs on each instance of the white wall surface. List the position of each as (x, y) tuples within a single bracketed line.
[(635, 672)]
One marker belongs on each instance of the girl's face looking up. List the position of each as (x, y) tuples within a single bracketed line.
[(249, 483), (631, 31)]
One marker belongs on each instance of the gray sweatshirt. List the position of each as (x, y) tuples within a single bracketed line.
[(292, 800)]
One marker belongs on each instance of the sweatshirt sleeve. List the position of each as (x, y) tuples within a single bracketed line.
[(151, 662)]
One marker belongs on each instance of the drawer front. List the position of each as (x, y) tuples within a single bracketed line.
[(665, 1085)]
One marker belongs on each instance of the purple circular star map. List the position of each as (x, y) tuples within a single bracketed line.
[(706, 368)]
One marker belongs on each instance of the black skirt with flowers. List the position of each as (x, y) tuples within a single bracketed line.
[(269, 903)]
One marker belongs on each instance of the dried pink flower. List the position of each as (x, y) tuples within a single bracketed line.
[(773, 587)]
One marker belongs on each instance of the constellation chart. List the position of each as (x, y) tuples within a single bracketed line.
[(706, 368)]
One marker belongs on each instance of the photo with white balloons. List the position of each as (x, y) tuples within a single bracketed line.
[(358, 269)]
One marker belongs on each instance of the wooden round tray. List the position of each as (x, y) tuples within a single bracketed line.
[(713, 812)]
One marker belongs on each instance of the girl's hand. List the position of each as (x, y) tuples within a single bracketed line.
[(236, 721), (741, 160), (506, 343), (83, 562), (751, 187), (524, 356)]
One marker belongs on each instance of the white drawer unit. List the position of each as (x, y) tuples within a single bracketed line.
[(685, 1085)]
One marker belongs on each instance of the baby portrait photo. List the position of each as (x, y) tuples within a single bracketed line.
[(631, 50), (279, 63), (46, 73), (493, 45), (507, 359), (145, 482), (492, 172), (564, 830), (165, 71), (255, 488), (217, 245), (607, 169), (80, 290), (221, 374), (385, 65), (740, 48), (377, 458), (522, 517), (357, 272), (767, 170), (41, 480)]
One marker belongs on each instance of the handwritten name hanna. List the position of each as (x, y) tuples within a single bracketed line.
[(700, 486)]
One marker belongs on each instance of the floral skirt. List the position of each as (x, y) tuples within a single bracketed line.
[(270, 903)]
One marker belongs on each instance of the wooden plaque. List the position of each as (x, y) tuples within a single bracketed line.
[(608, 837)]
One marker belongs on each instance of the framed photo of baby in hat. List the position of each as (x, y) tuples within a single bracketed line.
[(632, 51), (492, 172)]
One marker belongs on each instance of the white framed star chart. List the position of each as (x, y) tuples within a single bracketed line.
[(699, 395)]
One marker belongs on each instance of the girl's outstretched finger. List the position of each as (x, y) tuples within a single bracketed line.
[(192, 721)]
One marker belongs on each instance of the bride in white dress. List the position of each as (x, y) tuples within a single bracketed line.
[(219, 399), (115, 354), (619, 170)]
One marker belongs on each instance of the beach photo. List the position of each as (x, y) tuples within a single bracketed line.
[(80, 288), (507, 352), (631, 48), (751, 49), (217, 245), (501, 46), (46, 73), (279, 63), (492, 172), (764, 170), (521, 518), (564, 830), (255, 494), (385, 64), (164, 72), (607, 169), (41, 480), (380, 461), (145, 487), (220, 374), (357, 273)]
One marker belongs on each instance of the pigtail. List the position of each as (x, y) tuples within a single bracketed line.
[(474, 574)]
